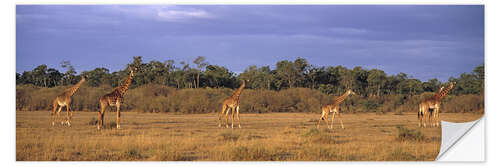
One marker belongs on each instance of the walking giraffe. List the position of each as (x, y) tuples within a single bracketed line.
[(433, 103), (334, 107), (65, 99), (114, 98), (232, 103)]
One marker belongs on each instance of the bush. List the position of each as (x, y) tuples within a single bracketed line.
[(405, 134), (93, 121), (160, 98), (256, 152), (229, 136)]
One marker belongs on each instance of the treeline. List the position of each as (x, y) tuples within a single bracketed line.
[(287, 74), (161, 98)]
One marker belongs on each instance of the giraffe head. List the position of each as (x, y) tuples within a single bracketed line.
[(132, 70), (453, 84), (351, 92), (84, 77)]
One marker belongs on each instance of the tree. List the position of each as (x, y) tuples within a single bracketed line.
[(156, 72), (432, 85), (54, 77), (479, 75), (360, 82), (376, 81), (219, 76), (98, 77), (267, 76), (69, 75), (18, 78), (312, 76), (478, 72), (170, 67), (200, 64), (40, 75), (301, 67)]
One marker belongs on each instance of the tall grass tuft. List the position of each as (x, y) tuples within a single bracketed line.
[(405, 134)]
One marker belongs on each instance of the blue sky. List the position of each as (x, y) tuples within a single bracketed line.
[(424, 41)]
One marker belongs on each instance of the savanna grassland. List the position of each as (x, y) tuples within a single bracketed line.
[(196, 137), (171, 113)]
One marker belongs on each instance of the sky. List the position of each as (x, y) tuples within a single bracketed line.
[(423, 41)]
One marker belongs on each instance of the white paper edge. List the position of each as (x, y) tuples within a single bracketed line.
[(462, 142)]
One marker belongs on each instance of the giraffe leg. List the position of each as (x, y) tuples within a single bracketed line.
[(436, 117), (70, 113), (59, 114), (67, 115), (100, 121), (333, 117), (227, 114), (117, 115), (340, 118), (238, 115), (232, 118), (425, 112), (320, 118), (439, 120), (429, 116), (419, 118), (326, 119), (224, 107)]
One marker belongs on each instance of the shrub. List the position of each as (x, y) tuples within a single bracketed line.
[(312, 132), (405, 134), (229, 136), (160, 98), (256, 152), (398, 154), (93, 121)]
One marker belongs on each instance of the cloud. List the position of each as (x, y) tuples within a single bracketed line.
[(350, 31), (177, 15), (164, 13)]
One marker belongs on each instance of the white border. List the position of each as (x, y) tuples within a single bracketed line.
[(7, 50)]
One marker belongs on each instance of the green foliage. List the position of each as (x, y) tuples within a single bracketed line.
[(370, 105), (294, 86), (288, 74)]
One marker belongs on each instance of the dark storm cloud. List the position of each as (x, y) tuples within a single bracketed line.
[(423, 41)]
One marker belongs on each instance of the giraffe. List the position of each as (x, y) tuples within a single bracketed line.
[(63, 100), (114, 98), (333, 107), (421, 109), (232, 103), (433, 103)]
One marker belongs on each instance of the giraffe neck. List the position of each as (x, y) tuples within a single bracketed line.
[(124, 87), (340, 99), (437, 93), (71, 91), (237, 93), (444, 92)]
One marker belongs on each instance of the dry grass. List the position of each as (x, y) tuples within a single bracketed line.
[(271, 136)]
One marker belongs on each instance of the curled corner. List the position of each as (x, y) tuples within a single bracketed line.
[(451, 133)]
